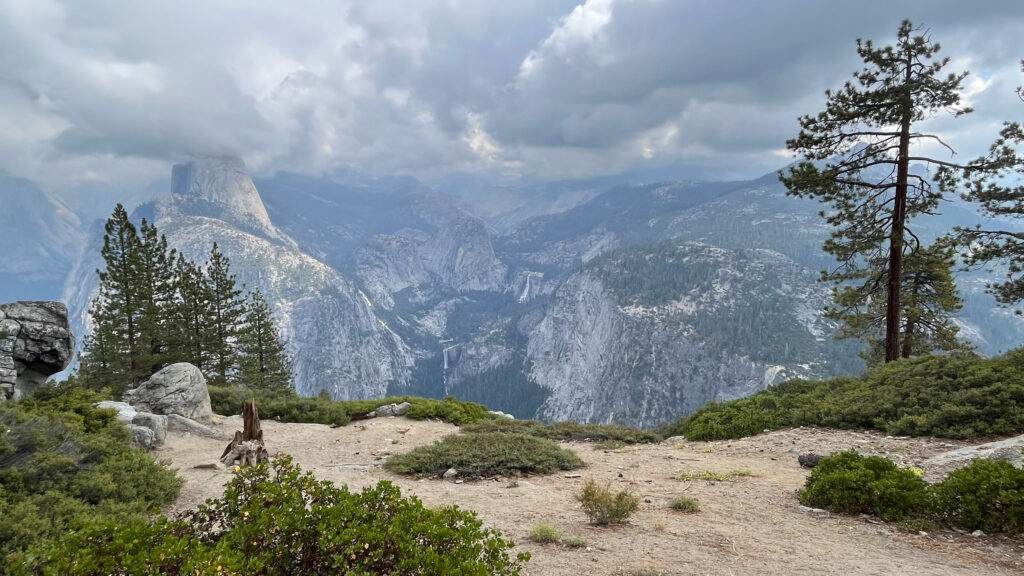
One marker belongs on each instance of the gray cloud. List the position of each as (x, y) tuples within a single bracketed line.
[(97, 91)]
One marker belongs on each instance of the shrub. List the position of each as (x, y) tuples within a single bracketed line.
[(987, 495), (684, 504), (576, 542), (485, 454), (289, 523), (544, 534), (567, 431), (603, 507), (287, 406), (712, 476), (853, 484), (65, 464), (965, 397)]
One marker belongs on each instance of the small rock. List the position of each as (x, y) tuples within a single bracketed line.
[(459, 481), (450, 473), (809, 460), (574, 475), (810, 510), (977, 533), (647, 500)]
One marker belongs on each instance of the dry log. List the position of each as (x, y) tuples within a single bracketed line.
[(247, 447)]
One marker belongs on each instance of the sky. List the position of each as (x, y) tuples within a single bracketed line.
[(106, 94)]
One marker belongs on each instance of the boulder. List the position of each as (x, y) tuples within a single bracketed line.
[(125, 412), (35, 343), (155, 422), (142, 437), (391, 410), (177, 389), (810, 459), (1009, 450), (176, 423)]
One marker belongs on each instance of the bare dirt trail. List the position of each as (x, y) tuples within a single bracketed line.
[(749, 526)]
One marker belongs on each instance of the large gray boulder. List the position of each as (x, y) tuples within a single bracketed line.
[(35, 343), (177, 389)]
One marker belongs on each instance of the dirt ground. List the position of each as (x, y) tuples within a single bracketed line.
[(749, 526)]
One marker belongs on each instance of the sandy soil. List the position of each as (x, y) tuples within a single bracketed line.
[(750, 526)]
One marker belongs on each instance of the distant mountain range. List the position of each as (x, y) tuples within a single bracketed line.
[(586, 300)]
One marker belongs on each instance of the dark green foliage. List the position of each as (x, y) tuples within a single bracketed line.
[(684, 504), (956, 397), (602, 506), (262, 357), (484, 455), (286, 406), (65, 464), (987, 495), (226, 313), (285, 522), (565, 431), (856, 157), (853, 484)]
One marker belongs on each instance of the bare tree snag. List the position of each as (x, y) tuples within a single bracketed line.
[(247, 447)]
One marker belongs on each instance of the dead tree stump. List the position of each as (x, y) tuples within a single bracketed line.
[(247, 448)]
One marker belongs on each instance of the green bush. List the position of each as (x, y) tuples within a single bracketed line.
[(483, 455), (853, 484), (286, 406), (987, 495), (566, 431), (965, 397), (65, 464), (684, 504), (285, 522), (544, 534), (604, 507)]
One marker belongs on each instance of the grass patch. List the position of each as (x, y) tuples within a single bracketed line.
[(684, 504), (484, 455), (602, 506), (567, 431), (576, 542), (944, 396), (286, 406), (544, 534), (610, 445), (712, 476)]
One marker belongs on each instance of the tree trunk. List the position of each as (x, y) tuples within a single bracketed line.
[(247, 447), (899, 216)]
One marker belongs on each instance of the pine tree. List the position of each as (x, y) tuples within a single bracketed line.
[(999, 191), (858, 153), (191, 315), (263, 359), (155, 292), (929, 298), (227, 308), (111, 357)]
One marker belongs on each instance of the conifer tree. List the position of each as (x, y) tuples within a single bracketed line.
[(264, 361), (112, 355), (155, 292), (227, 307), (929, 299), (191, 315), (857, 155)]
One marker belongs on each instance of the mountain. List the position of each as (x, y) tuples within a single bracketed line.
[(41, 240), (588, 300)]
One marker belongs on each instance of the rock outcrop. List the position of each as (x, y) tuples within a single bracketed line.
[(35, 343), (177, 389)]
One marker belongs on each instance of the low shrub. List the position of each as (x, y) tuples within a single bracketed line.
[(712, 476), (484, 455), (65, 464), (567, 431), (853, 484), (285, 522), (576, 542), (965, 397), (544, 534), (604, 507), (987, 495), (684, 504), (286, 406)]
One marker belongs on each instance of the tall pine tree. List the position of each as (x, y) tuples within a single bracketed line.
[(264, 361), (191, 315), (857, 155), (155, 292), (227, 308)]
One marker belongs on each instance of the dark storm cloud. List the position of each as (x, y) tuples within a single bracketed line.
[(115, 90)]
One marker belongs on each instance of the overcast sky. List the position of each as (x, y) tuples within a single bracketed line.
[(105, 93)]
